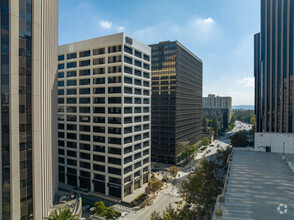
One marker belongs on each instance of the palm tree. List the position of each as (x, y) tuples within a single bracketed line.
[(62, 214)]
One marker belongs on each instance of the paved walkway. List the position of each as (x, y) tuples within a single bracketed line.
[(261, 186)]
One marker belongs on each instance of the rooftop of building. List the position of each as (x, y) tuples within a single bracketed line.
[(216, 96), (179, 44), (260, 186)]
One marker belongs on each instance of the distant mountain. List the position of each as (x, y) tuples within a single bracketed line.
[(245, 107)]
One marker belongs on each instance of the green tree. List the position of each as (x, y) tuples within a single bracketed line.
[(154, 184), (225, 121), (239, 139), (204, 123), (215, 125), (170, 213), (173, 171), (62, 214), (205, 141), (111, 213), (100, 208), (201, 189), (233, 119)]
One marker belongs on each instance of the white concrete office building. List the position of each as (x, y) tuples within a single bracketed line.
[(104, 115), (28, 172), (218, 102)]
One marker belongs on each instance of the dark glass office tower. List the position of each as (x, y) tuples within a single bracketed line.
[(257, 103), (28, 108), (176, 101), (275, 93)]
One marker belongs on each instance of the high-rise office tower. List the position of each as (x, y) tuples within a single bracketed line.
[(274, 67), (28, 107), (104, 115), (176, 101)]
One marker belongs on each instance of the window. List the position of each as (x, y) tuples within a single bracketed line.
[(84, 91), (71, 82), (71, 100), (146, 57), (113, 120), (60, 57), (85, 53), (146, 101), (128, 130), (60, 83), (60, 74), (114, 110), (98, 148), (128, 140), (60, 92), (85, 156), (112, 150), (138, 82), (128, 120), (71, 73), (147, 75), (138, 72), (99, 167), (128, 150), (128, 70), (146, 84), (71, 127), (71, 56), (85, 63), (128, 90), (138, 101), (114, 100), (98, 100), (138, 91), (116, 79), (99, 51), (138, 110), (71, 118), (138, 63), (98, 158), (114, 90), (114, 69), (99, 90), (128, 110), (113, 160), (128, 100), (98, 129), (114, 49), (84, 165), (115, 171), (98, 61), (71, 65), (138, 119), (85, 118), (146, 66), (128, 80), (85, 110), (85, 72), (99, 120), (85, 100), (61, 66), (71, 91), (146, 92), (114, 130), (71, 136), (128, 49), (114, 59), (99, 139), (138, 54), (128, 60), (84, 82), (99, 110), (97, 71), (99, 81)]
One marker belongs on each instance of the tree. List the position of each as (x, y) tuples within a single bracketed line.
[(239, 139), (215, 125), (154, 184), (111, 213), (62, 214), (233, 119), (201, 189), (170, 213), (205, 141), (204, 123), (100, 208), (225, 121), (173, 171)]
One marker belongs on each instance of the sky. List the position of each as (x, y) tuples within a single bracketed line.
[(219, 32)]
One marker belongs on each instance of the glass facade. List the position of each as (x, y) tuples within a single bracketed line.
[(275, 107), (176, 101), (5, 152), (25, 106)]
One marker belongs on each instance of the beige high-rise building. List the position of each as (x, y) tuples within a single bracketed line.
[(28, 108)]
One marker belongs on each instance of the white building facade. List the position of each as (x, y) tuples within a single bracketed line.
[(104, 115), (217, 102), (274, 142)]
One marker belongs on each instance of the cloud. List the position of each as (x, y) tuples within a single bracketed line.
[(206, 21), (120, 28), (247, 82), (105, 24)]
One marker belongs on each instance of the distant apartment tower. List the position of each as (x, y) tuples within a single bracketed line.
[(29, 108), (176, 101), (274, 67), (217, 105), (104, 115)]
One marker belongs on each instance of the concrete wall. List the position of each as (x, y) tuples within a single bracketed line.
[(279, 142)]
